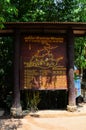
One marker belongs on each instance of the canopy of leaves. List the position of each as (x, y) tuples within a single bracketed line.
[(7, 10), (42, 10), (80, 52), (50, 10)]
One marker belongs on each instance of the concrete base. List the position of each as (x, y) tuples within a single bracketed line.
[(16, 112), (71, 108)]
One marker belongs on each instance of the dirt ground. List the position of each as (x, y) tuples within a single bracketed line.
[(48, 120)]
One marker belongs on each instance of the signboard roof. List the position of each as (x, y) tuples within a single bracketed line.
[(79, 28)]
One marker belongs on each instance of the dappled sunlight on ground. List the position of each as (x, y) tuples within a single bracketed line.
[(47, 120)]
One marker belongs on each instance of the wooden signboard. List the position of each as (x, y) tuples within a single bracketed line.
[(43, 63)]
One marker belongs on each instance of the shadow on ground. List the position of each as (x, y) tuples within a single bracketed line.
[(9, 123)]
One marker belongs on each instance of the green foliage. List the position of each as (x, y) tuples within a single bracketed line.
[(7, 11), (80, 52), (6, 80), (42, 10), (80, 11), (33, 99), (8, 101)]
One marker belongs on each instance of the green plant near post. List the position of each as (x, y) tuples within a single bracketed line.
[(33, 99)]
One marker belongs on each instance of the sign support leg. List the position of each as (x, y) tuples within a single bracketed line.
[(16, 109), (71, 88)]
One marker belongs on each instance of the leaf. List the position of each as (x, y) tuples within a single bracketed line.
[(8, 1)]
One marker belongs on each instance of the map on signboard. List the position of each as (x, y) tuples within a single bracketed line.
[(43, 63)]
